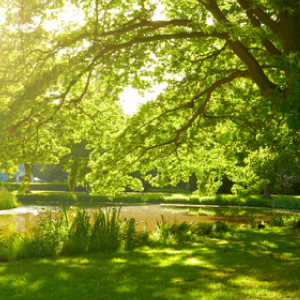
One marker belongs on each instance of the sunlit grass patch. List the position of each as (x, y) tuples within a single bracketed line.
[(240, 264), (7, 199), (195, 271)]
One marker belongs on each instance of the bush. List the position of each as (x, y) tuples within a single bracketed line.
[(171, 191), (49, 186), (7, 199), (7, 185), (287, 202), (64, 237)]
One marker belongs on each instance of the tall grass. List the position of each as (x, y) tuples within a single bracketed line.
[(7, 199), (50, 237), (187, 231), (105, 231)]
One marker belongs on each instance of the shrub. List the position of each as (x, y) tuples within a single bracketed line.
[(7, 199), (221, 227), (162, 230), (204, 228), (106, 231), (76, 239), (171, 191), (10, 247), (281, 219), (288, 202), (7, 185), (129, 234), (43, 240)]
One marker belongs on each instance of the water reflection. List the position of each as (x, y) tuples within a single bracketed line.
[(24, 217)]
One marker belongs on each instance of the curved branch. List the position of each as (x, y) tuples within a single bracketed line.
[(200, 110), (206, 56), (161, 37), (260, 14), (257, 74), (266, 43), (153, 24)]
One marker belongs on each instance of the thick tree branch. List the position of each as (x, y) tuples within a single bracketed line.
[(206, 56), (153, 24), (161, 37), (257, 73), (266, 43), (199, 111), (260, 14), (265, 19)]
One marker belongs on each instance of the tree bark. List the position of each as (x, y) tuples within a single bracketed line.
[(297, 225), (267, 191), (27, 177)]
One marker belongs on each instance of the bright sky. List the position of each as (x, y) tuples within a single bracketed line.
[(130, 99)]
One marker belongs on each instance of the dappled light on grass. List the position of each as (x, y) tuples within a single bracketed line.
[(224, 263), (186, 271), (193, 261)]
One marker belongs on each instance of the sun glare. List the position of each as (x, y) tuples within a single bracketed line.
[(130, 99), (70, 16)]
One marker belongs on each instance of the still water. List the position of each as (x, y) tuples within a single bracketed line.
[(24, 217)]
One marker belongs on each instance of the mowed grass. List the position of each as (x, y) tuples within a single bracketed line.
[(241, 264)]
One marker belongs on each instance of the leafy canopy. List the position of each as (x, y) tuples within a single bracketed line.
[(231, 105)]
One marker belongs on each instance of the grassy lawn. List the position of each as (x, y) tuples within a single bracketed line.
[(243, 264)]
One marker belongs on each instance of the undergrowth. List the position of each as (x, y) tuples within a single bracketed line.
[(287, 202), (7, 199), (63, 236), (83, 233)]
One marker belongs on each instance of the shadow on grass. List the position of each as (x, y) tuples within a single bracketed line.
[(241, 265)]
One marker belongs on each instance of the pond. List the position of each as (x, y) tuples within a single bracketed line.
[(24, 217)]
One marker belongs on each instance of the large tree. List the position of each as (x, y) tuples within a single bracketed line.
[(231, 105)]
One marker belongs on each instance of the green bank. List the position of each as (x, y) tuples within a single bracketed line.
[(240, 264)]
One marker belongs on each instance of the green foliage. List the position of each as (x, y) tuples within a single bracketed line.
[(187, 231), (207, 269), (205, 229), (50, 172), (24, 186), (172, 191), (229, 108), (7, 199), (163, 231), (106, 231), (55, 186), (43, 240), (287, 202), (7, 185), (280, 219), (10, 247), (76, 163), (221, 227), (65, 236), (129, 234)]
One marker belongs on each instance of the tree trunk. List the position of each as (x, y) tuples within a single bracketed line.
[(297, 225), (87, 187), (267, 191), (27, 177)]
